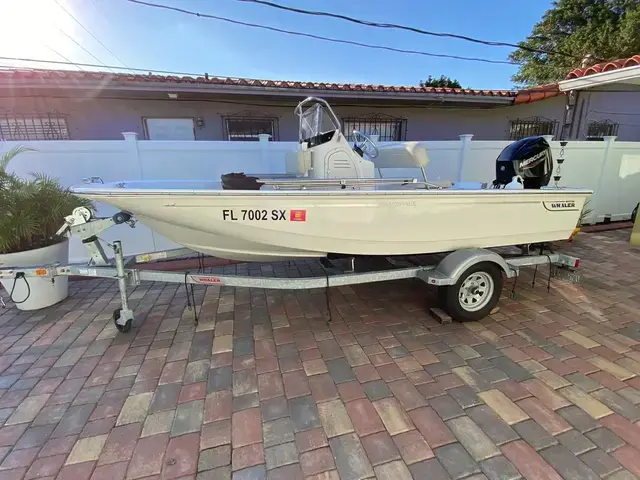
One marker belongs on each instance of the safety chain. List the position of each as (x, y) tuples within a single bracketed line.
[(558, 176)]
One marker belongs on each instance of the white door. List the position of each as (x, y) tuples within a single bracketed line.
[(170, 129)]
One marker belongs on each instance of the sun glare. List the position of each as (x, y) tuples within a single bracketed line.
[(31, 29)]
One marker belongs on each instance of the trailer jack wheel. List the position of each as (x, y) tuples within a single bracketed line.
[(121, 328), (475, 294)]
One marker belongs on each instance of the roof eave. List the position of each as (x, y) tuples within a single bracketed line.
[(262, 90), (622, 75)]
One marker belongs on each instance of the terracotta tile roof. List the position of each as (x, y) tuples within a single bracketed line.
[(523, 96), (605, 67), (538, 93), (65, 76)]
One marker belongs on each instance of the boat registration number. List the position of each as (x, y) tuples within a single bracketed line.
[(235, 215)]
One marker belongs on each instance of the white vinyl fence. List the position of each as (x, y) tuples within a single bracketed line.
[(610, 168)]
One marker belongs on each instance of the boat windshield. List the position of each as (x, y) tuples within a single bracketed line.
[(316, 119)]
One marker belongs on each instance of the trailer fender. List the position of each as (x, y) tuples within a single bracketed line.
[(456, 263)]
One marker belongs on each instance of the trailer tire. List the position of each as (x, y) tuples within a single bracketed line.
[(475, 294), (121, 328), (121, 217)]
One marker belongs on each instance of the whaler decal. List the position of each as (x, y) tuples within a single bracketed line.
[(206, 280), (566, 205)]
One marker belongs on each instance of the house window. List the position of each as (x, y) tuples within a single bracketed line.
[(532, 127), (389, 129), (34, 127), (169, 128), (245, 127), (602, 128)]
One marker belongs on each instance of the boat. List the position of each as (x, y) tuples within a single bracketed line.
[(330, 201)]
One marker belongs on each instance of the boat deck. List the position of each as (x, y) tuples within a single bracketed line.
[(285, 186)]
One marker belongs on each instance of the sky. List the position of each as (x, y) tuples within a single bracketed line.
[(143, 37)]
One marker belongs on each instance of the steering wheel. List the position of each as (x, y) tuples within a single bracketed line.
[(367, 145)]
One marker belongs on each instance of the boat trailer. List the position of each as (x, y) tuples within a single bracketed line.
[(469, 280)]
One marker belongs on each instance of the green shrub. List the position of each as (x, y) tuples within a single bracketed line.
[(32, 210)]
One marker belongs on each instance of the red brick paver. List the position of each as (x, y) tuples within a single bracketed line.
[(263, 387)]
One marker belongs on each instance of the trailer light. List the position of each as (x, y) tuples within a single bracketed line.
[(41, 272)]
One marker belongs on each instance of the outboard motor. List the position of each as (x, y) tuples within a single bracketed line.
[(530, 158)]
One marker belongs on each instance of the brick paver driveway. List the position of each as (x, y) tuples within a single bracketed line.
[(263, 387)]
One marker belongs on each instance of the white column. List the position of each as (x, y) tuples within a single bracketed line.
[(598, 195), (131, 142), (465, 146), (263, 139)]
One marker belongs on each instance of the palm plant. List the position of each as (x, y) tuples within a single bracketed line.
[(32, 210), (586, 211)]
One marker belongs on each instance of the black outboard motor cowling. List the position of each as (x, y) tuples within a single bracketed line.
[(530, 158)]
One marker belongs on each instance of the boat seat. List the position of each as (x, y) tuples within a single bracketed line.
[(298, 163), (403, 155)]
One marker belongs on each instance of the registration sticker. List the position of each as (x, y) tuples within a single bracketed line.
[(298, 216)]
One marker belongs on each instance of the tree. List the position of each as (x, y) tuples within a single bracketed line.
[(606, 29), (443, 81)]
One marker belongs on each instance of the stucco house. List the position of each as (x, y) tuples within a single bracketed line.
[(601, 100)]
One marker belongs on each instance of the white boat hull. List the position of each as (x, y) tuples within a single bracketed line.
[(275, 224), (221, 246)]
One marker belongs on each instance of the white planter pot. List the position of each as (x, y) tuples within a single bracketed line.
[(41, 292)]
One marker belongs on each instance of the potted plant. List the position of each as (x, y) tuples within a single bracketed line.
[(583, 215), (32, 212)]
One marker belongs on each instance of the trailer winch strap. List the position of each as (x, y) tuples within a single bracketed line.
[(193, 297)]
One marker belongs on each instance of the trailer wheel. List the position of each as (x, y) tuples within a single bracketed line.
[(475, 294), (121, 217), (121, 328)]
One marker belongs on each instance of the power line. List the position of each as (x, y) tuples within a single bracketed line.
[(69, 62), (408, 28), (89, 32), (319, 37), (78, 44), (335, 40), (61, 56)]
